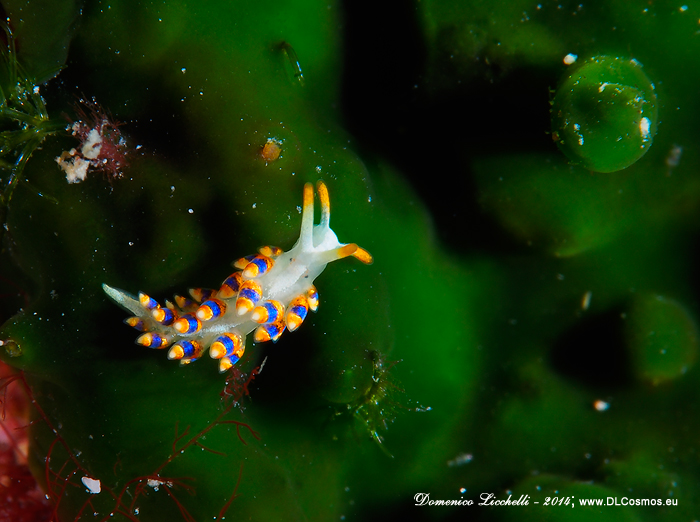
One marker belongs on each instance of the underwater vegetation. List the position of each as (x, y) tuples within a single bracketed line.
[(525, 176)]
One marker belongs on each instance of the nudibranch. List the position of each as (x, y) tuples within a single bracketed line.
[(272, 291)]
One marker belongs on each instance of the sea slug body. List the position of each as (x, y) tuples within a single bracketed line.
[(271, 292)]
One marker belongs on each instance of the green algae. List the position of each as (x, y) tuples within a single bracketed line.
[(604, 114), (499, 343), (663, 338)]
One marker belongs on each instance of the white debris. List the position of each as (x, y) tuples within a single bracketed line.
[(674, 155), (155, 483), (570, 58), (586, 300), (93, 485), (600, 405), (460, 460), (93, 144), (74, 166), (644, 128)]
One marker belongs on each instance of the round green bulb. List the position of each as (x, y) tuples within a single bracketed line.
[(604, 114), (662, 338)]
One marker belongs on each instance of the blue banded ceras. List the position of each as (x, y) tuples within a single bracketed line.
[(272, 291)]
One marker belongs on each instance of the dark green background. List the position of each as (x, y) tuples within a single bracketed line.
[(430, 124)]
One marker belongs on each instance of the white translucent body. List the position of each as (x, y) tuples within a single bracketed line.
[(292, 274)]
